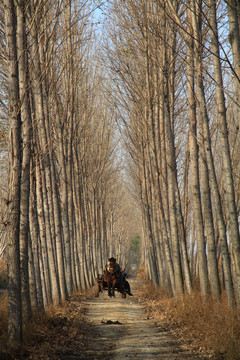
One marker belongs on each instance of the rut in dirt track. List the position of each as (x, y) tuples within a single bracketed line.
[(123, 331)]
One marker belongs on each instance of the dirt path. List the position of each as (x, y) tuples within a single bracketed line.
[(122, 330), (88, 328)]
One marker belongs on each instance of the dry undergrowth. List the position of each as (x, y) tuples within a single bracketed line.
[(209, 327), (59, 332)]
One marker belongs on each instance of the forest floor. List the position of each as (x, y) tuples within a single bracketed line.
[(107, 328)]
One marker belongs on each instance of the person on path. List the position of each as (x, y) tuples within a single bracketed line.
[(114, 267)]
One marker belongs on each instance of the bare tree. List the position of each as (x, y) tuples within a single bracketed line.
[(13, 221)]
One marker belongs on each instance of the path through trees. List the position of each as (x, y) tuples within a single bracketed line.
[(119, 125)]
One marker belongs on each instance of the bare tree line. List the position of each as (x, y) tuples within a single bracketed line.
[(174, 94), (61, 215), (175, 67)]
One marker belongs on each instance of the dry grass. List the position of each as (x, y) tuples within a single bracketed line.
[(50, 334), (209, 327), (213, 324), (58, 332)]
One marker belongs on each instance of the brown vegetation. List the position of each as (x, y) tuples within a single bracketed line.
[(211, 327), (143, 117), (58, 332)]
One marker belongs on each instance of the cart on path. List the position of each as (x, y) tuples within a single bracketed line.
[(103, 282)]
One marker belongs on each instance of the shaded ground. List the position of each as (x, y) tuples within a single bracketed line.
[(102, 328), (123, 330)]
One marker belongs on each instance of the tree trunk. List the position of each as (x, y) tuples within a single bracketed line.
[(204, 175), (194, 169), (13, 225), (224, 134), (34, 235), (234, 39), (44, 161), (26, 144), (45, 273)]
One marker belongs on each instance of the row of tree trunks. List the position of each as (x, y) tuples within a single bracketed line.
[(13, 225), (189, 205), (59, 179)]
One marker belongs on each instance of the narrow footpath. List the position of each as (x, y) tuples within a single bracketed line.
[(123, 330), (89, 328)]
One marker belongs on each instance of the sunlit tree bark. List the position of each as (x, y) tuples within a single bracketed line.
[(13, 225), (194, 170), (26, 154), (222, 115), (204, 176)]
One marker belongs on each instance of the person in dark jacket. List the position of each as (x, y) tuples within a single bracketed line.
[(114, 267)]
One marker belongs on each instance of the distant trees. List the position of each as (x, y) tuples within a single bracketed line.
[(134, 250), (172, 73)]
